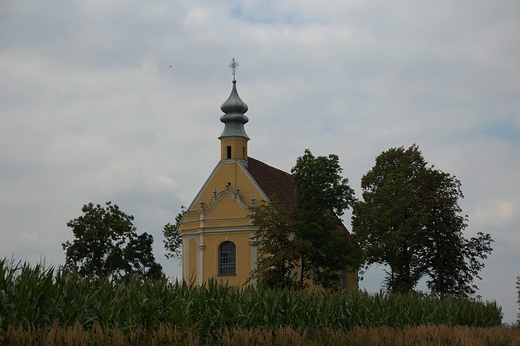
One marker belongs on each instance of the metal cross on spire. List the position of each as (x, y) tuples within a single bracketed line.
[(233, 66)]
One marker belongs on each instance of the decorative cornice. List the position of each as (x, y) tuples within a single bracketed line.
[(218, 198), (219, 230)]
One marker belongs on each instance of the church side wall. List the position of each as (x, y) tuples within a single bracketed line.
[(192, 272)]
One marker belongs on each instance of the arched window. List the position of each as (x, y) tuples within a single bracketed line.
[(227, 260)]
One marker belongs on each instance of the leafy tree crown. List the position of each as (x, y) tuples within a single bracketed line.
[(106, 242)]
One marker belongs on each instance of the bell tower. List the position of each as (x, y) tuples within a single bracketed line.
[(233, 140)]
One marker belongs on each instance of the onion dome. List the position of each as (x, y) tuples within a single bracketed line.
[(234, 118)]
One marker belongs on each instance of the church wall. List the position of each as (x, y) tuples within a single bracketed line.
[(227, 209), (190, 222), (184, 256), (228, 223), (225, 215), (243, 254), (192, 260)]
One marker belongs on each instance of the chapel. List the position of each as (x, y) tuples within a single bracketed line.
[(216, 231)]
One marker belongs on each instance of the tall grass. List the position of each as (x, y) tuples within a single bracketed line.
[(425, 335), (39, 297)]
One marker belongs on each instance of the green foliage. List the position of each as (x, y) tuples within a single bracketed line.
[(39, 297), (450, 260), (139, 257), (173, 241), (410, 220), (309, 236), (320, 188), (279, 250), (106, 242), (322, 195), (384, 224)]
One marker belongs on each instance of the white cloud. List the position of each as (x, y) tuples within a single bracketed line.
[(163, 182), (498, 213)]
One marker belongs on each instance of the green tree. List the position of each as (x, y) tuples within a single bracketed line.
[(173, 241), (451, 261), (322, 195), (385, 224), (279, 250), (310, 235), (106, 242), (139, 257), (410, 220)]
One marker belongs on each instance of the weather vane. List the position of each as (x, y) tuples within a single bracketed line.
[(233, 66)]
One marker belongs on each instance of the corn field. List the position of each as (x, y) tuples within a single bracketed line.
[(42, 300)]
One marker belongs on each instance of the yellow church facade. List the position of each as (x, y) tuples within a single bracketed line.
[(216, 231)]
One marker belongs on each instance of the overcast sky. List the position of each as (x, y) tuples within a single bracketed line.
[(113, 100)]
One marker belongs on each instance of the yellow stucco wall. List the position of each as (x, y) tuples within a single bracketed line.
[(238, 148), (193, 260), (243, 253), (229, 173), (226, 208)]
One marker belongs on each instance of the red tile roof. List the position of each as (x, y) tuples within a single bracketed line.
[(275, 182)]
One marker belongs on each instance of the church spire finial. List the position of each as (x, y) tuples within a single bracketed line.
[(233, 140), (233, 66)]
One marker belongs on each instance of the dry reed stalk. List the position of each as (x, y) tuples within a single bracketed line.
[(424, 335), (428, 335), (288, 336), (261, 336), (166, 335), (67, 336), (239, 336)]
